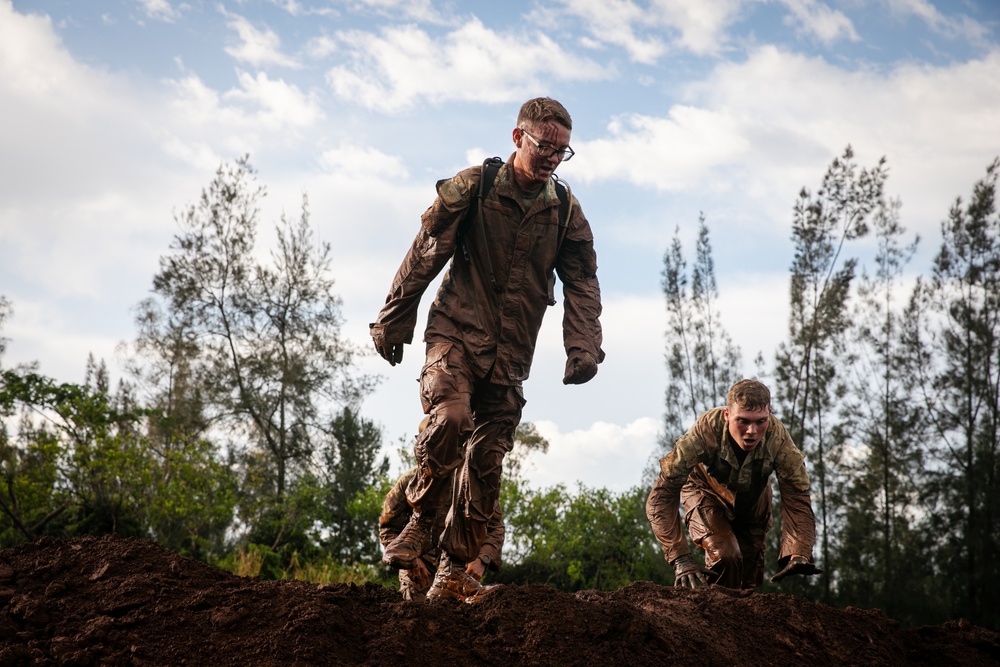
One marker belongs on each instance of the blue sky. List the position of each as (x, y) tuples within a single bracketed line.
[(113, 115)]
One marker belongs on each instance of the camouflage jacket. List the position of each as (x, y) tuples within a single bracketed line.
[(523, 248), (396, 514), (703, 461)]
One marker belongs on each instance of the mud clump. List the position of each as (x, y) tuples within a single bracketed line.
[(113, 601)]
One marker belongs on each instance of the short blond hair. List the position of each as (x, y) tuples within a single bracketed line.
[(543, 110), (749, 395)]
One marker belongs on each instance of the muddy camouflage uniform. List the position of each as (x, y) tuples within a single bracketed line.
[(396, 513), (704, 474), (480, 341)]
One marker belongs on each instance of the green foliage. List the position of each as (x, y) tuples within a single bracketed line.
[(953, 340), (880, 459), (256, 560), (80, 464), (807, 382), (594, 539), (351, 467), (73, 465), (247, 355)]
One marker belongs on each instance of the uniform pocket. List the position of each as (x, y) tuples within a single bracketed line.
[(434, 367)]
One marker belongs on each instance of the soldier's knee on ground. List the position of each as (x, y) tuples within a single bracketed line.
[(724, 556), (722, 549)]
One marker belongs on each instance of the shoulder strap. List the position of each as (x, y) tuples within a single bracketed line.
[(562, 190), (491, 166)]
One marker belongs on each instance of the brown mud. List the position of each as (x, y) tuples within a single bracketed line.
[(113, 601)]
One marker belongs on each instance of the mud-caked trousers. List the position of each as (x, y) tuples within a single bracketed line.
[(470, 430), (733, 538)]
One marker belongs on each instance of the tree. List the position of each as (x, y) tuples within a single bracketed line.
[(250, 349), (73, 468), (953, 339), (594, 538), (806, 366), (702, 361), (883, 549), (351, 464), (5, 312)]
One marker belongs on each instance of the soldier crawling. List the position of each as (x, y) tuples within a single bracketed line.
[(720, 470)]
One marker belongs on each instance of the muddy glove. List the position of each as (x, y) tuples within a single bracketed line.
[(796, 565), (391, 351), (580, 367), (689, 574)]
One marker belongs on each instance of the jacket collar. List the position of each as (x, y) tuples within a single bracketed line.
[(506, 187)]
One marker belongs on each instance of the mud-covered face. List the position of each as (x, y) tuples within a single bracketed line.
[(531, 168), (747, 427)]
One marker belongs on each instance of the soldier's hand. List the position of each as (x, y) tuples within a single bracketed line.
[(689, 574), (796, 565), (580, 367), (391, 352), (476, 569)]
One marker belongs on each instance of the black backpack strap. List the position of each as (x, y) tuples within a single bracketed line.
[(491, 166), (562, 190)]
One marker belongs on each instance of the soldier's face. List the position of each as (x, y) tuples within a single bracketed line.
[(531, 169), (747, 427)]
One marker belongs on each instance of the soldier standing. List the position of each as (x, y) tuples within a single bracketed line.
[(481, 331)]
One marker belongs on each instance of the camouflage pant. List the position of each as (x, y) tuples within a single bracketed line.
[(733, 542), (471, 429)]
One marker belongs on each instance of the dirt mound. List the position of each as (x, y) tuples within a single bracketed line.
[(112, 601)]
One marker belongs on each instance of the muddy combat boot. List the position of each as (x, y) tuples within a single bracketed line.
[(452, 582), (411, 543)]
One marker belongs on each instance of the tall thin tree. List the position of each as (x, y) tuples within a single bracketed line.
[(954, 345), (806, 365)]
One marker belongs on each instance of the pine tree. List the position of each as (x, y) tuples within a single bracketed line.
[(702, 361), (806, 366), (953, 339)]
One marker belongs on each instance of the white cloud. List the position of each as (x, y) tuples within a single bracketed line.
[(959, 27), (279, 105), (411, 10), (257, 47), (934, 124), (766, 126), (673, 153), (320, 47), (401, 66), (702, 25), (610, 22), (295, 8), (200, 123), (817, 19), (605, 455), (648, 31), (160, 10), (360, 162), (80, 162)]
